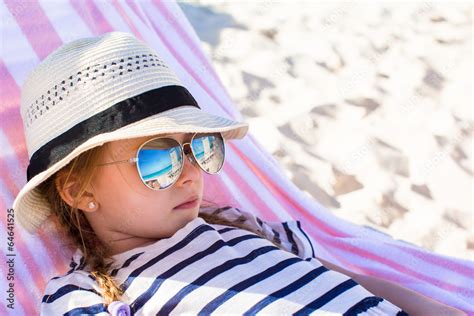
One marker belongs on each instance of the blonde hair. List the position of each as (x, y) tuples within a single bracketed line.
[(72, 222)]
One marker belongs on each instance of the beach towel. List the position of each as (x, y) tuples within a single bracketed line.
[(251, 179)]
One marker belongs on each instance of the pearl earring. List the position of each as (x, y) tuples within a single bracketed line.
[(92, 205)]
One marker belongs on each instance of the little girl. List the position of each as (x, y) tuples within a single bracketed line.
[(117, 147)]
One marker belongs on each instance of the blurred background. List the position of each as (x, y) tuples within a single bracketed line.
[(366, 106)]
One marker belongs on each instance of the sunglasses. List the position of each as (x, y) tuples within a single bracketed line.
[(160, 160)]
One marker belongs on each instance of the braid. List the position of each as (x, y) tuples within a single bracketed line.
[(95, 255)]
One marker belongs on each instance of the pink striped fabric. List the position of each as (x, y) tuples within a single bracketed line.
[(251, 178)]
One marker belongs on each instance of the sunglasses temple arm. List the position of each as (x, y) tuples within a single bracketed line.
[(131, 160)]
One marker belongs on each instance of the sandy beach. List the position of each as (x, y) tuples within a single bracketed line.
[(367, 107)]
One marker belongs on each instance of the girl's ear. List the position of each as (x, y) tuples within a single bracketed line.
[(69, 190)]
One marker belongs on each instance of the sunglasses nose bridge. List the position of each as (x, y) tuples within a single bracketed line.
[(188, 152)]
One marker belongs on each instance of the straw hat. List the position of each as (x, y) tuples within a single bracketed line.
[(96, 90)]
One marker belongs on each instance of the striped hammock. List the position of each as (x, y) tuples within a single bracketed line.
[(250, 180)]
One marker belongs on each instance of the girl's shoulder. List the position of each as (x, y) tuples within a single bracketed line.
[(75, 289), (289, 233)]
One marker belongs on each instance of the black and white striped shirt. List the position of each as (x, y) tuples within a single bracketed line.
[(216, 269)]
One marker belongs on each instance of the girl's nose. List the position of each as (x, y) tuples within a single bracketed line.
[(191, 170)]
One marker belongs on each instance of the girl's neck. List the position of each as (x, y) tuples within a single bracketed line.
[(128, 244)]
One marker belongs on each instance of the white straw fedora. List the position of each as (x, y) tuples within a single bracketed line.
[(95, 90)]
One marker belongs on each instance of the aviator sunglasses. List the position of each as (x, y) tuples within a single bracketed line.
[(160, 160)]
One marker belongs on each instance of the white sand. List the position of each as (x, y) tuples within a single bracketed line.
[(368, 108)]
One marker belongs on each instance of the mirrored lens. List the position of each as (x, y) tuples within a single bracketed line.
[(160, 162), (209, 151)]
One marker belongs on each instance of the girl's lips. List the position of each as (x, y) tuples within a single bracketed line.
[(187, 205)]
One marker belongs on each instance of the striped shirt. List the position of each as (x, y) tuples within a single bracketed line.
[(211, 268)]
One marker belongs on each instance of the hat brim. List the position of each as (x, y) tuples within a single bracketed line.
[(32, 209)]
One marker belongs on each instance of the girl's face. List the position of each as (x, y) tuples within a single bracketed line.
[(129, 214)]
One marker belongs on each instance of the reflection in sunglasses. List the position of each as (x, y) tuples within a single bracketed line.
[(153, 184), (211, 156), (159, 167)]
